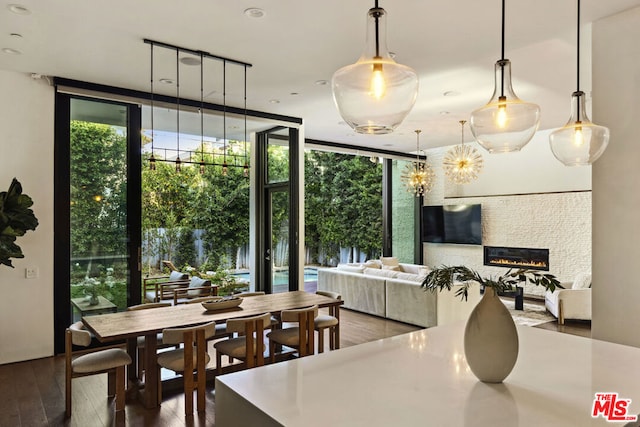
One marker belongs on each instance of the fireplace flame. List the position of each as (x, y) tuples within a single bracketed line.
[(503, 261)]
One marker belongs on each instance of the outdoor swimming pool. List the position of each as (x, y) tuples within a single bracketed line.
[(282, 277)]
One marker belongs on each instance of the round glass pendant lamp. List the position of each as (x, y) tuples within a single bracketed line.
[(580, 142), (506, 123), (375, 94)]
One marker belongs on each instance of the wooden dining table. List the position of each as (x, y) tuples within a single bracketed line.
[(129, 325)]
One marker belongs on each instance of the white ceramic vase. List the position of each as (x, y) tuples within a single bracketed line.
[(491, 339)]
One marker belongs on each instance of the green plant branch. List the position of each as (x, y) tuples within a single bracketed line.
[(446, 277)]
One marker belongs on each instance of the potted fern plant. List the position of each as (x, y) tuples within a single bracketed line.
[(16, 218), (490, 336)]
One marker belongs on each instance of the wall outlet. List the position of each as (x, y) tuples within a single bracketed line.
[(31, 272)]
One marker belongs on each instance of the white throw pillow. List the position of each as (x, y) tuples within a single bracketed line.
[(373, 263), (350, 268), (582, 281), (197, 282), (391, 267), (177, 275), (390, 260)]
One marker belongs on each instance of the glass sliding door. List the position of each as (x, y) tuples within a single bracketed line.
[(278, 241), (279, 210), (96, 151)]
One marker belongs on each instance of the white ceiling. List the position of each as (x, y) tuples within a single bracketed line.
[(452, 45)]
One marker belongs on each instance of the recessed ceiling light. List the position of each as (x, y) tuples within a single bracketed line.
[(15, 35), (190, 60), (392, 55), (294, 94), (451, 93), (274, 101), (18, 9), (444, 113), (388, 145), (255, 12), (321, 82), (166, 81), (11, 51)]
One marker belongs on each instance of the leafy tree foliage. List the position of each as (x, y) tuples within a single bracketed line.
[(343, 204), (98, 190), (174, 201)]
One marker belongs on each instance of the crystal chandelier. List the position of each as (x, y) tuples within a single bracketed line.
[(418, 176), (462, 163)]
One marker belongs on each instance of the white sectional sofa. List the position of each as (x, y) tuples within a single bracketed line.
[(395, 293)]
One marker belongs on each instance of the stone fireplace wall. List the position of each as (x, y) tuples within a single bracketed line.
[(559, 221)]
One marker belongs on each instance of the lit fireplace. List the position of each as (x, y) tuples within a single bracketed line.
[(535, 259)]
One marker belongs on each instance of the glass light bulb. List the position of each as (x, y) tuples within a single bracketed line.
[(578, 137), (501, 117), (378, 85)]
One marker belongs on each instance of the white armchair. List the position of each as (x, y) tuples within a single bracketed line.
[(573, 302)]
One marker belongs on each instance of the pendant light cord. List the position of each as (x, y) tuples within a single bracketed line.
[(152, 100), (224, 111), (578, 50), (502, 47), (202, 108), (377, 17), (245, 115), (178, 101), (502, 52)]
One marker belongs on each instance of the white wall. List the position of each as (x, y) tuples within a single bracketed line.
[(556, 215), (616, 176), (26, 153)]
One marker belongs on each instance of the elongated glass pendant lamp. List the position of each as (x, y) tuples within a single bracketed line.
[(580, 142), (506, 123)]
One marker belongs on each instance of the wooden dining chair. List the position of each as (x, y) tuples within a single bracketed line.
[(140, 344), (299, 337), (191, 359), (248, 346), (328, 321), (111, 361)]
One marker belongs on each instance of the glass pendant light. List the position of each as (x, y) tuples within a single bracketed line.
[(506, 123), (152, 158), (418, 176), (375, 94), (580, 142), (462, 163)]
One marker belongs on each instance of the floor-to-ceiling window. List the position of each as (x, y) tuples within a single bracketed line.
[(97, 211), (115, 220), (196, 215)]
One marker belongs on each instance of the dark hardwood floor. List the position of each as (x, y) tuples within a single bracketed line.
[(32, 392)]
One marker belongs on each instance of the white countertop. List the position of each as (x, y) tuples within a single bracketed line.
[(422, 379)]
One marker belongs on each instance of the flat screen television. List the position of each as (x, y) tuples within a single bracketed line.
[(461, 224)]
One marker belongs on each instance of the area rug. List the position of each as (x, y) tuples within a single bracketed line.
[(532, 315)]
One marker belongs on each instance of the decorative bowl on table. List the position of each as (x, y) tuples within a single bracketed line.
[(221, 303)]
